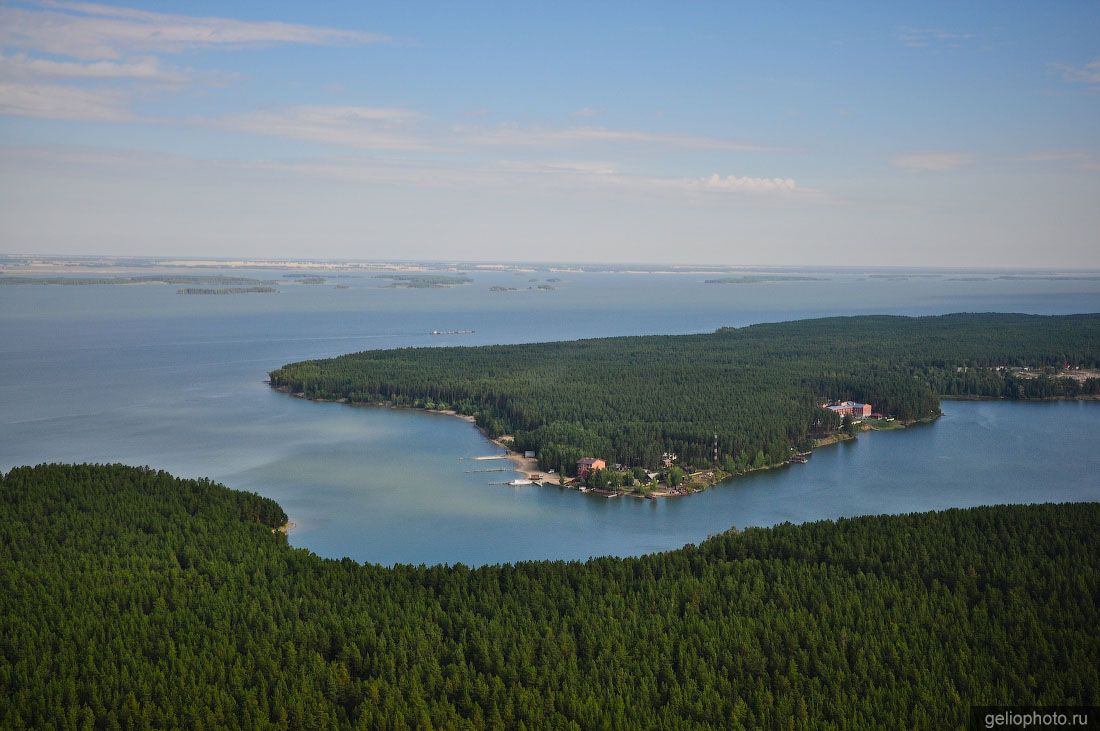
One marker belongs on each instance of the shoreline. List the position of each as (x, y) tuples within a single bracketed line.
[(528, 466), (964, 397)]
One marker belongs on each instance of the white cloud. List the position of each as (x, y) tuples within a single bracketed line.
[(933, 161), (606, 175), (601, 176), (743, 184), (118, 45), (147, 69), (54, 101), (351, 126), (574, 178), (93, 31), (547, 137), (1079, 159), (1087, 74)]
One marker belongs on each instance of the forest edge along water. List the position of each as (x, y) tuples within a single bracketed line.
[(695, 482), (634, 415), (141, 376)]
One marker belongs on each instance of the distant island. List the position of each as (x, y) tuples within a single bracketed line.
[(903, 276), (1051, 277), (764, 279), (423, 281), (530, 288), (228, 290), (659, 412)]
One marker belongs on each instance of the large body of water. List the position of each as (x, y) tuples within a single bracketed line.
[(141, 375)]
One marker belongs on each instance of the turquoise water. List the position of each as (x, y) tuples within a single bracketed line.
[(141, 375)]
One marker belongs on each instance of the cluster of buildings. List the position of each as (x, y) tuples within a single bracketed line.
[(851, 408)]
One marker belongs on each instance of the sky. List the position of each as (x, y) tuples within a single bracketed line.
[(885, 134)]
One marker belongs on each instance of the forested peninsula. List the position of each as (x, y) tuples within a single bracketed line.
[(734, 400), (133, 599)]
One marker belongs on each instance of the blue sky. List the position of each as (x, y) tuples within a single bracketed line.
[(887, 134)]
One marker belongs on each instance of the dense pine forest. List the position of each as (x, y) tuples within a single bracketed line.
[(132, 599), (758, 388)]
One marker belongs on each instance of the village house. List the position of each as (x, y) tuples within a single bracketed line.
[(586, 464)]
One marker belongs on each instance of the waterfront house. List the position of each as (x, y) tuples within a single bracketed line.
[(586, 464)]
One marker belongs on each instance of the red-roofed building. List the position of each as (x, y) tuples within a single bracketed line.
[(854, 408), (585, 464)]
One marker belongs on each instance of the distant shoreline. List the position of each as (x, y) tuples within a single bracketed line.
[(1079, 397)]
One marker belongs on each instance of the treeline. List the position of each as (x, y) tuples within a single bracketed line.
[(131, 599), (759, 388), (989, 383)]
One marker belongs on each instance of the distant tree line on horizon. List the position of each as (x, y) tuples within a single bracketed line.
[(758, 388), (133, 599)]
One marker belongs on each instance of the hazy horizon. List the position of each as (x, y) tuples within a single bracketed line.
[(184, 261), (931, 136)]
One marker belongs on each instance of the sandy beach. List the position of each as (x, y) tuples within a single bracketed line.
[(529, 466)]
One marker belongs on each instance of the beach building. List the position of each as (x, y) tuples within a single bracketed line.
[(585, 464), (853, 408)]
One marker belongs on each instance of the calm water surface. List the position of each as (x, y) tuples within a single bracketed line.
[(141, 375)]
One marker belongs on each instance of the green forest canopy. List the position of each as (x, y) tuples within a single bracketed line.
[(759, 388), (130, 599)]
